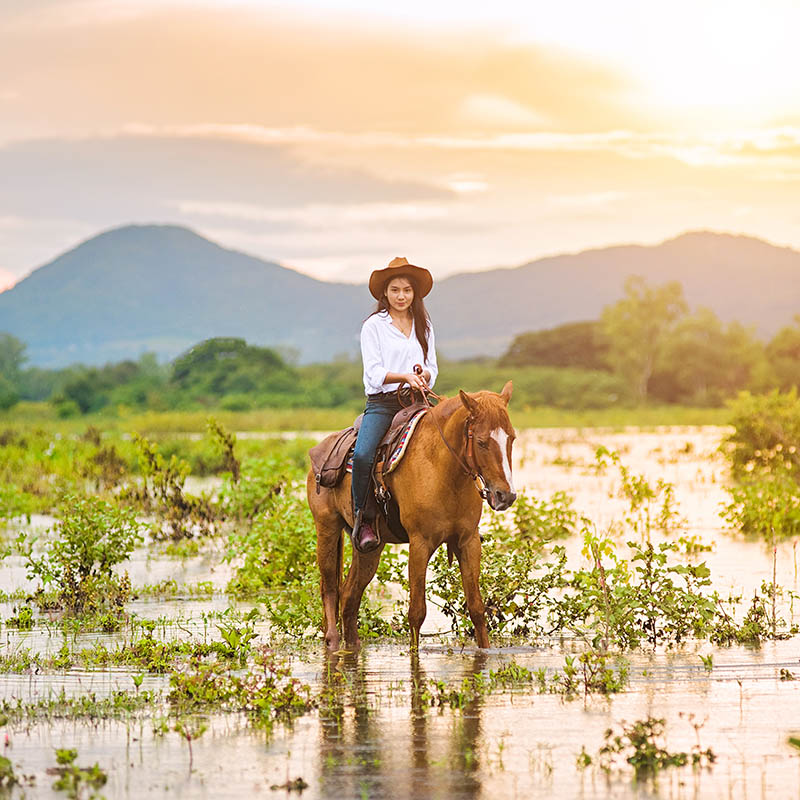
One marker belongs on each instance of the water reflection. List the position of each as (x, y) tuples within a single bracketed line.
[(414, 751)]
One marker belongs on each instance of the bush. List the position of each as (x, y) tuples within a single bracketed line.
[(766, 435), (766, 506), (91, 537)]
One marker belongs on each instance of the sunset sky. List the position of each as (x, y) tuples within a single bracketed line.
[(332, 135)]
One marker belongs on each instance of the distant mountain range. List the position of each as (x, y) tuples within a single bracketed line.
[(162, 288)]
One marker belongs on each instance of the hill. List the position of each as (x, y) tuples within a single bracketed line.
[(738, 277), (162, 288)]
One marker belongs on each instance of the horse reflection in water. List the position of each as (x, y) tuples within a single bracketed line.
[(366, 751), (434, 486)]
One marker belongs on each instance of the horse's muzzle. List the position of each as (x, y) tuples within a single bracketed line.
[(500, 500)]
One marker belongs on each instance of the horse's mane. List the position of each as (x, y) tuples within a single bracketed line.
[(490, 406)]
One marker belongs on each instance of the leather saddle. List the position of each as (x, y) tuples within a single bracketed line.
[(329, 462)]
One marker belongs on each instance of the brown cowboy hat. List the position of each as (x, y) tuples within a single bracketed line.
[(422, 279)]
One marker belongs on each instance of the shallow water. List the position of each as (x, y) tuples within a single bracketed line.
[(375, 737), (378, 739)]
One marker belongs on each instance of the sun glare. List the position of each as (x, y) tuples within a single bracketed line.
[(737, 61)]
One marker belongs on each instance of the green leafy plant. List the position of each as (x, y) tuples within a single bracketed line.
[(91, 537), (766, 433), (182, 515), (640, 746), (650, 506), (22, 618), (623, 604), (766, 505), (74, 780)]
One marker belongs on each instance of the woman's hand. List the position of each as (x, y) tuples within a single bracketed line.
[(416, 382)]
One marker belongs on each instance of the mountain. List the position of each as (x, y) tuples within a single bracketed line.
[(162, 288), (738, 277)]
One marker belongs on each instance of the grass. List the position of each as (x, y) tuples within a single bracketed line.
[(122, 420)]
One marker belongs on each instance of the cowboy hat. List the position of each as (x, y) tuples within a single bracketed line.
[(422, 279)]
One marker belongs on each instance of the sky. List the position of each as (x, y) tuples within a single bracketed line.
[(333, 135)]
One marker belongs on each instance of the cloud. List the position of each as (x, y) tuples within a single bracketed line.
[(7, 279), (190, 65), (149, 176), (495, 111), (320, 215)]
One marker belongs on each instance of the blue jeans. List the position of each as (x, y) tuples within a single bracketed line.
[(378, 417)]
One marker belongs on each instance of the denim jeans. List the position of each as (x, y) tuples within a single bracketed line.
[(378, 416)]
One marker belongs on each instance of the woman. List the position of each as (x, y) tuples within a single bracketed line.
[(394, 338)]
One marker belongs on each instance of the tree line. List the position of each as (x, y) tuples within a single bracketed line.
[(651, 341), (646, 347)]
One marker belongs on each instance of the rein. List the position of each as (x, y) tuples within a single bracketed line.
[(480, 483)]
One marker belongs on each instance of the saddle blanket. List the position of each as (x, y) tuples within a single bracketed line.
[(400, 450)]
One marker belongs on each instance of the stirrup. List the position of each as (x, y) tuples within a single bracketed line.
[(356, 532)]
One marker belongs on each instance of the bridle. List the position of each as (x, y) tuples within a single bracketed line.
[(469, 465)]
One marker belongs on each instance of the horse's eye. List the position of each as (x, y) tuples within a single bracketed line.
[(483, 444)]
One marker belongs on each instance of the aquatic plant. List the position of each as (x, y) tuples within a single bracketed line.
[(518, 586), (640, 746), (538, 521), (225, 441), (237, 638), (91, 537), (760, 623), (510, 675), (190, 729), (765, 505), (649, 506), (181, 515), (265, 692), (22, 618), (8, 778), (15, 502), (74, 780), (260, 480), (594, 673), (766, 434), (625, 603)]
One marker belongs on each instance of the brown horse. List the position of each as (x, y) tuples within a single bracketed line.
[(439, 503)]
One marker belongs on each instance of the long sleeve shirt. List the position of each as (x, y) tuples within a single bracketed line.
[(385, 349)]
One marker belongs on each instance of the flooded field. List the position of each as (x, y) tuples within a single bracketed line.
[(449, 721)]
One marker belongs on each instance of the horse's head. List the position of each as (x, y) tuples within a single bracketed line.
[(493, 437)]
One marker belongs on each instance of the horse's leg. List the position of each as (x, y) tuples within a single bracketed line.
[(329, 561), (361, 572), (469, 561), (419, 554)]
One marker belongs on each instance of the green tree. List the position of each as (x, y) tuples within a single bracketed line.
[(575, 344), (783, 354), (702, 361), (637, 327), (12, 357), (223, 367)]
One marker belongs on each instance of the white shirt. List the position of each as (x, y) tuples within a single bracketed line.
[(385, 349)]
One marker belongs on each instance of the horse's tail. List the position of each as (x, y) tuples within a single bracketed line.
[(449, 555)]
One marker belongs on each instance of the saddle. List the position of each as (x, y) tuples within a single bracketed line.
[(331, 459)]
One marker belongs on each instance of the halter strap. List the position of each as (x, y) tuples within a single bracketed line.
[(469, 466)]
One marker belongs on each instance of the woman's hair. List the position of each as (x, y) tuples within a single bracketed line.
[(422, 322)]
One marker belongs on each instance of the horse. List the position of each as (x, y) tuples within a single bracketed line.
[(436, 488)]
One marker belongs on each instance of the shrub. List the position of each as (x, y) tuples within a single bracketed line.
[(91, 537), (766, 435)]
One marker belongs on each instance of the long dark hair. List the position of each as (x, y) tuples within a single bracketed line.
[(422, 322)]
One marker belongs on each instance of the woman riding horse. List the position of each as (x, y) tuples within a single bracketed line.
[(458, 456), (397, 336)]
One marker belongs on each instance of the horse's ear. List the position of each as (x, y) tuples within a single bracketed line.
[(468, 402), (506, 393)]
